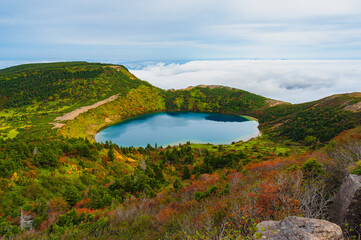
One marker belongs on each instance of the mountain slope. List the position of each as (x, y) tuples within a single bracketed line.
[(214, 99), (60, 84), (34, 94), (147, 99), (322, 119)]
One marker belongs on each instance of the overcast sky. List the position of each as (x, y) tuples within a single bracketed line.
[(119, 31), (138, 30)]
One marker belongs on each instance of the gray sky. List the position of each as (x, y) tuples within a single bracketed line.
[(139, 30)]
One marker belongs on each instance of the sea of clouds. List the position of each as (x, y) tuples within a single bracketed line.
[(294, 81)]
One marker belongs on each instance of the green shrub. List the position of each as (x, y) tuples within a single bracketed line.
[(357, 171), (309, 140), (186, 174), (177, 184), (312, 168), (200, 195)]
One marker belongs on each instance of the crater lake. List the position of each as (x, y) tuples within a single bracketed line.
[(173, 128)]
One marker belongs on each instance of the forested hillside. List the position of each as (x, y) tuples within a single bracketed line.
[(213, 99), (61, 84), (314, 121), (34, 94), (67, 186)]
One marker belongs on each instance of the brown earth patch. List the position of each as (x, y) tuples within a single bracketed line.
[(354, 107), (272, 102), (77, 112), (201, 86)]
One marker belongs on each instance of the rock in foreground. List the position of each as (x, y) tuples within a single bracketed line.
[(347, 203), (298, 228)]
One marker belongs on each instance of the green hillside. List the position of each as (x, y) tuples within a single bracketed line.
[(148, 99), (34, 94), (71, 187), (318, 120), (61, 84), (213, 99)]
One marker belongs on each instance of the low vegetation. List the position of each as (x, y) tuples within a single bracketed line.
[(71, 187), (317, 121), (33, 95)]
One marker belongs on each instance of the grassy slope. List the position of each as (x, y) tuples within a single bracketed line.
[(214, 99), (323, 119), (138, 101), (32, 95)]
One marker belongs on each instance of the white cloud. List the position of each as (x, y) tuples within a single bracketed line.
[(292, 81), (180, 29), (292, 9), (273, 34)]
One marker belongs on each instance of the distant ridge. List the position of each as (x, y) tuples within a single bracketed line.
[(202, 86), (40, 66), (270, 102)]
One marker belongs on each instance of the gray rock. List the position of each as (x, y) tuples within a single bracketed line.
[(347, 203), (298, 228)]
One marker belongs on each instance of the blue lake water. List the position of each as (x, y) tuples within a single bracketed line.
[(172, 128)]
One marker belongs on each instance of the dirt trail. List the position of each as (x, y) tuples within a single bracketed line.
[(77, 112)]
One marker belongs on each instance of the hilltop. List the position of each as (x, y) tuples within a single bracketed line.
[(70, 187)]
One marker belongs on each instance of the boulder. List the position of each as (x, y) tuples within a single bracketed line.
[(298, 228), (347, 203)]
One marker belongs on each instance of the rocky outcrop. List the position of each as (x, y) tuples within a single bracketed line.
[(298, 228), (347, 203)]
